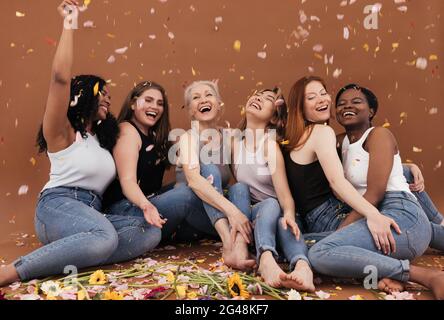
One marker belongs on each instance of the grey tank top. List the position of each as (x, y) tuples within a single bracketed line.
[(252, 169), (220, 157)]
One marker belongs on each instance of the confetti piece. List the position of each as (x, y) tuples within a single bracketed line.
[(121, 50), (96, 89), (23, 190), (356, 297), (237, 46), (337, 73), (417, 150), (111, 59), (19, 14), (171, 35), (150, 147), (433, 57), (89, 24), (421, 63), (33, 161), (262, 55)]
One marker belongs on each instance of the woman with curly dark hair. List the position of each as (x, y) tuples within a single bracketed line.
[(78, 133)]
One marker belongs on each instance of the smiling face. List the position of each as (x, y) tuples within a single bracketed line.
[(261, 106), (353, 109), (203, 104), (317, 103), (104, 104), (148, 108)]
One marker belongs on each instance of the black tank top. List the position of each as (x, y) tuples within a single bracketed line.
[(150, 171), (308, 184)]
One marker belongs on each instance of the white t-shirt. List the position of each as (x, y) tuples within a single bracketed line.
[(356, 161), (84, 164)]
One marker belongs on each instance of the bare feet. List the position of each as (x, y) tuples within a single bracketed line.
[(437, 285), (429, 278), (270, 270), (300, 279), (390, 286), (237, 257), (8, 275)]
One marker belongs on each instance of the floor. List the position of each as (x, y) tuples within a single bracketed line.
[(148, 278)]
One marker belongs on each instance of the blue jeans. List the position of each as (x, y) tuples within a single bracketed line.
[(74, 232), (347, 252), (265, 216), (180, 206), (432, 213)]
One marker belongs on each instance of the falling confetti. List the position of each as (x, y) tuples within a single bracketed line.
[(23, 190)]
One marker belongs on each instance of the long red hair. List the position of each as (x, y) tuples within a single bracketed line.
[(297, 125)]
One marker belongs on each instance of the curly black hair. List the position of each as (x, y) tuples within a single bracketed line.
[(84, 104), (369, 95)]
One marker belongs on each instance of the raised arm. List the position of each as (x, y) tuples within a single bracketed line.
[(276, 164), (56, 127), (126, 156), (379, 225)]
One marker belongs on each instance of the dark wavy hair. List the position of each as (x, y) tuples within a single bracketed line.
[(372, 100), (279, 120), (83, 112), (161, 129)]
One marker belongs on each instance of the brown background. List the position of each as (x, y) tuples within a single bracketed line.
[(27, 45)]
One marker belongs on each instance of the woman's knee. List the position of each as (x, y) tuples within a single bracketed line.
[(207, 170), (271, 207), (106, 242), (239, 188)]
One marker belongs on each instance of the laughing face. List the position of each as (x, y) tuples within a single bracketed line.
[(261, 106), (204, 106), (353, 109), (148, 108), (104, 104), (317, 103)]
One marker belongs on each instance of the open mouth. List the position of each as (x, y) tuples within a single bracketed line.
[(256, 105), (348, 114), (104, 108), (151, 114), (205, 109), (322, 108)]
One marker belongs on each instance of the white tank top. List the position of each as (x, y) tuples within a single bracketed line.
[(84, 164), (356, 161), (252, 169)]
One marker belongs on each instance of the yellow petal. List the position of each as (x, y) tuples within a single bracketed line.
[(96, 89), (181, 292), (237, 46)]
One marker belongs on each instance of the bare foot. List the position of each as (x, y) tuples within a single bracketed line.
[(270, 270), (8, 275), (390, 286), (237, 257), (300, 279), (437, 285)]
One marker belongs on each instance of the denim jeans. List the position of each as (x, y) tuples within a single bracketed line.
[(74, 232), (268, 231), (180, 206), (349, 251), (432, 213)]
